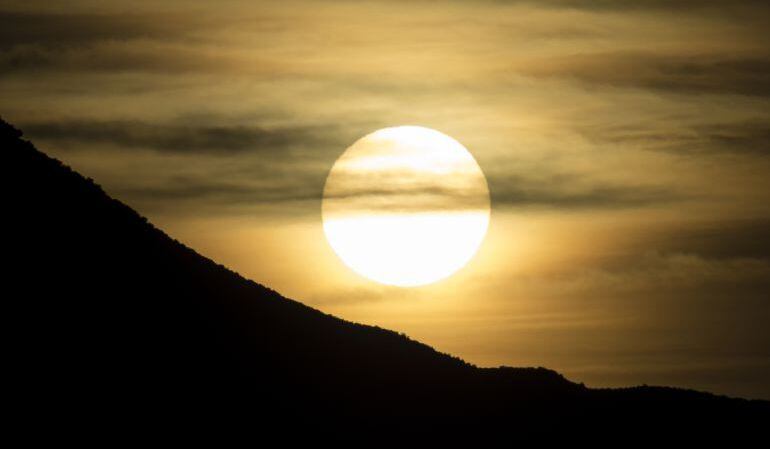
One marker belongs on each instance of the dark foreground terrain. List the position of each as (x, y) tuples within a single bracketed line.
[(113, 324)]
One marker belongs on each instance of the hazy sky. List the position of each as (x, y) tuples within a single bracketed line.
[(626, 146)]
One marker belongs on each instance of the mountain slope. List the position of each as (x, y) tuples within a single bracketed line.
[(108, 312)]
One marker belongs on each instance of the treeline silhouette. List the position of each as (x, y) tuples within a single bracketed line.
[(110, 319)]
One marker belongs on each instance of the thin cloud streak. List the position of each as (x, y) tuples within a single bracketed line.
[(180, 138)]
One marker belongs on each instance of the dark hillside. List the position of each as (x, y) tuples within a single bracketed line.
[(107, 316)]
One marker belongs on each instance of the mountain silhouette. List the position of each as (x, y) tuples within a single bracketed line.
[(109, 318)]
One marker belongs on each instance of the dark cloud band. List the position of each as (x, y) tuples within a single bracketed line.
[(183, 139), (682, 74)]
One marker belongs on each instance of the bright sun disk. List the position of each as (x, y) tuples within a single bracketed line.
[(405, 206)]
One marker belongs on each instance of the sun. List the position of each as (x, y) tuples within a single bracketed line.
[(405, 206)]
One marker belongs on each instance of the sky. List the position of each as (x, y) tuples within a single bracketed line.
[(626, 146)]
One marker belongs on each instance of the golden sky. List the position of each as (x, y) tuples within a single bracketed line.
[(626, 146)]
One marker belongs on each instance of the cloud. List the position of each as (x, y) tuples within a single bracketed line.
[(644, 5), (180, 138), (225, 193), (748, 137), (118, 57), (684, 74), (267, 186), (574, 192), (729, 257), (751, 137), (57, 30), (118, 42), (714, 240), (310, 151)]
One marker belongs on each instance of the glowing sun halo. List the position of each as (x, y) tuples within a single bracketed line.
[(405, 206)]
